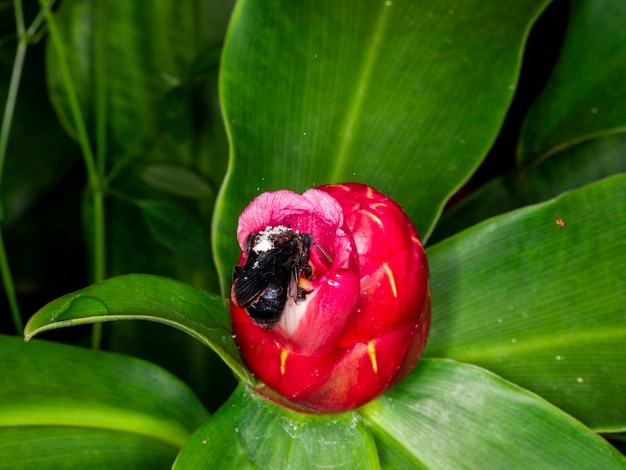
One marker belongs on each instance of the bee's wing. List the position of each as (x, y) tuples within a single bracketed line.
[(246, 291), (254, 278), (294, 277)]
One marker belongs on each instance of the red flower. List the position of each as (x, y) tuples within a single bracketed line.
[(330, 302)]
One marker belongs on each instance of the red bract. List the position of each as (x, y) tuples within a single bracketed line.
[(330, 301)]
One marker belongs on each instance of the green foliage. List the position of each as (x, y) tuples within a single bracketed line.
[(145, 297), (65, 406), (552, 317), (583, 99), (470, 418), (368, 92), (408, 97), (249, 430)]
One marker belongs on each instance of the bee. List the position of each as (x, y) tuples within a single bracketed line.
[(277, 257)]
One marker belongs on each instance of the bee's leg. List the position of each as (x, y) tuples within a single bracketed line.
[(308, 271), (249, 241), (307, 241), (326, 255)]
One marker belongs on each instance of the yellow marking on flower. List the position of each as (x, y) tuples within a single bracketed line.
[(416, 240), (371, 349), (392, 280), (373, 216), (283, 360)]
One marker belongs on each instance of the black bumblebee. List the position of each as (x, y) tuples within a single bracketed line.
[(276, 259)]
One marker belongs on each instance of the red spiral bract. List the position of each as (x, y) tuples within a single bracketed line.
[(351, 314)]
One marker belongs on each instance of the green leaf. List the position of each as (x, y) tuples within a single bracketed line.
[(585, 94), (405, 96), (453, 415), (134, 67), (126, 59), (62, 406), (179, 230), (250, 432), (569, 169), (53, 448), (542, 305), (176, 110), (177, 180), (145, 297)]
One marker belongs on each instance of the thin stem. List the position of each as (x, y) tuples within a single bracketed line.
[(101, 150), (34, 26), (5, 130), (101, 114), (95, 178), (79, 121), (9, 108), (10, 289), (99, 256)]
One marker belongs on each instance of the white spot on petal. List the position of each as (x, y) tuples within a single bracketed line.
[(294, 312)]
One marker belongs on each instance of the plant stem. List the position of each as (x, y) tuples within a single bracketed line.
[(16, 75), (7, 119), (101, 111), (99, 254), (95, 177), (7, 279), (79, 121), (101, 149)]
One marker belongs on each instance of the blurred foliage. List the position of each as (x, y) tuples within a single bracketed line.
[(486, 122)]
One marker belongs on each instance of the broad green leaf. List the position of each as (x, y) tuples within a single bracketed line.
[(250, 432), (89, 409), (130, 57), (542, 305), (198, 366), (145, 297), (169, 238), (53, 448), (405, 96), (134, 66), (585, 95), (569, 169), (454, 415), (176, 111), (177, 180), (179, 230)]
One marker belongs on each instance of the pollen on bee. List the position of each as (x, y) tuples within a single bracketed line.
[(392, 280), (283, 360), (371, 349), (305, 284)]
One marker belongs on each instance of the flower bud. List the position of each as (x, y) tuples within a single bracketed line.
[(330, 302)]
